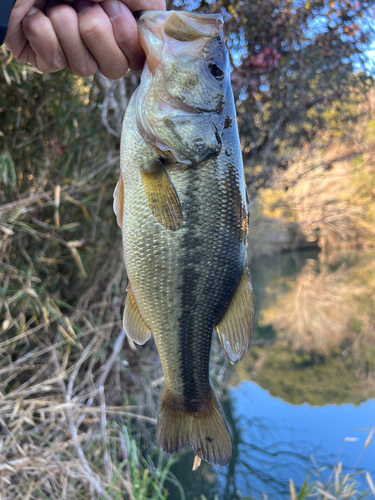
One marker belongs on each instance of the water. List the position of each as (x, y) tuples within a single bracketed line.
[(293, 434), (303, 398)]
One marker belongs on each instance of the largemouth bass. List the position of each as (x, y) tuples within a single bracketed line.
[(182, 206)]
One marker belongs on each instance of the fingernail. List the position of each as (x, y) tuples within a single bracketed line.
[(111, 8), (82, 5), (32, 11)]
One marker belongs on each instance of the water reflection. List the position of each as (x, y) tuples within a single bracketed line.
[(322, 318), (295, 434), (260, 445), (258, 450), (313, 361)]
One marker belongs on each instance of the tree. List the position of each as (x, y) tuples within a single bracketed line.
[(292, 60)]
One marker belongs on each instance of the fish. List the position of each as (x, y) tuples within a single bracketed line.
[(181, 202)]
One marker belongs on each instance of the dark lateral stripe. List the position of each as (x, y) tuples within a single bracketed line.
[(206, 292), (190, 266)]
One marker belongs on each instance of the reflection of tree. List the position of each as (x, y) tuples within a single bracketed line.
[(255, 467), (321, 307), (312, 312), (323, 319), (301, 378)]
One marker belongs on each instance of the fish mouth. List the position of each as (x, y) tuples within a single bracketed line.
[(158, 29), (150, 35)]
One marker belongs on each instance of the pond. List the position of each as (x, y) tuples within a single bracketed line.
[(303, 398)]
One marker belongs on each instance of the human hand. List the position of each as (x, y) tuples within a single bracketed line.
[(83, 35)]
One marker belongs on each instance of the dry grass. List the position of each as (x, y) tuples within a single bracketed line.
[(66, 375), (65, 414), (63, 403), (74, 400)]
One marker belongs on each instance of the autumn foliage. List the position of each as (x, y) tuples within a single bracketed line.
[(292, 60)]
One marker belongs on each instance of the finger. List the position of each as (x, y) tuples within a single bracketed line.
[(97, 34), (137, 5), (43, 40), (27, 55), (15, 39), (55, 2), (64, 20), (125, 32), (125, 27)]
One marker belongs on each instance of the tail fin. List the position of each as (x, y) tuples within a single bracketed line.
[(204, 430)]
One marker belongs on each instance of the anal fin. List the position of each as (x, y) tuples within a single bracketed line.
[(236, 327), (118, 201), (133, 322), (162, 197)]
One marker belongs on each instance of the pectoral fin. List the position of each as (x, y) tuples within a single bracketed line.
[(133, 323), (236, 327), (162, 197), (118, 201)]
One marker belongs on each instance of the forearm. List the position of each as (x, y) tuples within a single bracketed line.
[(5, 10)]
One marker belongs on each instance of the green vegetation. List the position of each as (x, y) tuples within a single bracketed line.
[(147, 479), (339, 485)]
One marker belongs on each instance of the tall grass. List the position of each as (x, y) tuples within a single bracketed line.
[(66, 420), (338, 485)]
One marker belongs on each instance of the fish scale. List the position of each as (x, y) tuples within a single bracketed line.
[(182, 203)]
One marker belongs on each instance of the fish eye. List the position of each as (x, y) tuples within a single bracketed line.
[(215, 69)]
